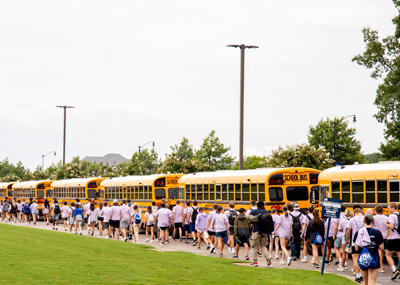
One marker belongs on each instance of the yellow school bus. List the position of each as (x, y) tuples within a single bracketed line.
[(365, 184), (70, 189), (142, 189), (37, 190), (274, 186), (6, 190)]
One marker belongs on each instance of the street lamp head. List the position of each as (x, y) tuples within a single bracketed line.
[(154, 144), (235, 46), (354, 119), (251, 46)]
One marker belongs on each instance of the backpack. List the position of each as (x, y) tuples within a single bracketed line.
[(296, 224), (398, 223), (57, 209), (194, 214), (151, 218), (232, 216), (318, 239), (365, 260), (138, 220), (266, 223), (26, 209)]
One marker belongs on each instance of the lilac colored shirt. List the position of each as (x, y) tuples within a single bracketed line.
[(70, 211), (116, 211), (92, 215), (286, 224), (305, 220), (332, 226), (86, 208), (19, 206), (393, 234), (34, 207), (126, 212), (277, 220), (210, 217), (249, 211), (379, 224), (178, 212), (219, 221), (100, 212), (356, 223), (147, 217), (201, 221), (342, 228), (163, 216), (188, 212), (106, 214), (64, 211)]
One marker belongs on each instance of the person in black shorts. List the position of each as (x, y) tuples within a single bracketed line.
[(242, 230), (211, 233)]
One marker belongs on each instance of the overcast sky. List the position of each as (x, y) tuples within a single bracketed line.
[(138, 71)]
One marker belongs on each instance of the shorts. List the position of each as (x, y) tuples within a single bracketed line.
[(354, 251), (56, 216), (151, 225), (106, 225), (35, 212), (221, 234), (124, 223), (78, 222), (26, 214), (178, 225), (384, 243), (393, 245), (211, 233), (201, 230), (114, 224), (187, 228), (64, 218), (331, 239), (71, 221), (192, 227), (100, 218), (338, 242), (78, 218), (163, 228), (231, 231), (241, 240)]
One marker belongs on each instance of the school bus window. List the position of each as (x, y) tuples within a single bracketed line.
[(245, 192), (275, 194), (205, 189), (212, 192), (370, 191), (238, 192), (335, 190), (187, 192), (199, 192), (298, 193), (40, 193), (261, 191), (193, 192), (357, 189), (159, 193), (218, 192), (182, 193), (224, 188), (231, 192), (382, 191), (150, 192), (394, 191), (140, 192), (346, 191), (254, 192)]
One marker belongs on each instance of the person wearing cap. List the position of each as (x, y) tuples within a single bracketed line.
[(379, 224), (242, 232), (295, 245), (115, 219)]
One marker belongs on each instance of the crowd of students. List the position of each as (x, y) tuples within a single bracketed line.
[(260, 232)]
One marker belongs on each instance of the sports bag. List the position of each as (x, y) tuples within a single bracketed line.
[(318, 239), (232, 216), (366, 260)]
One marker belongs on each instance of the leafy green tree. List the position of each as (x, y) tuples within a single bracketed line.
[(213, 155), (383, 58), (348, 149), (302, 155), (373, 157), (181, 159), (252, 162), (144, 163)]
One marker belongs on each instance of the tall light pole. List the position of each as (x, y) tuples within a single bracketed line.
[(154, 144), (44, 155), (242, 48), (65, 126), (334, 135)]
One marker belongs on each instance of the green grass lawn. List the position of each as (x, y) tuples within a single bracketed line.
[(39, 256)]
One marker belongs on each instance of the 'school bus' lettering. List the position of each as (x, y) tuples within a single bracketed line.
[(295, 177), (173, 181)]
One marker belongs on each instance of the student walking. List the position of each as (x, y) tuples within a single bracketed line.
[(100, 218), (78, 218), (192, 218), (242, 232), (274, 238), (27, 211), (355, 224), (177, 214), (19, 211), (115, 219), (64, 214), (295, 245), (231, 214), (345, 243), (380, 225), (306, 219), (14, 211), (55, 208), (201, 226), (284, 229), (149, 220), (186, 220), (220, 224), (126, 216), (106, 221), (393, 241), (163, 218), (137, 221), (316, 230), (46, 211), (34, 211), (70, 217), (372, 240), (210, 230), (338, 236), (92, 214)]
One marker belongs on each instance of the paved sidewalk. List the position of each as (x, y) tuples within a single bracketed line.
[(383, 278)]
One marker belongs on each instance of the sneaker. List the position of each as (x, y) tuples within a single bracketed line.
[(163, 243), (180, 239), (220, 255), (346, 268), (282, 262), (126, 239), (289, 260), (395, 274), (173, 238), (259, 254), (76, 233), (107, 237), (56, 228), (358, 280), (147, 240), (337, 263), (167, 241), (276, 257), (208, 247), (340, 268), (269, 260), (235, 257), (381, 270), (198, 247), (315, 265), (93, 234), (186, 242), (212, 250), (65, 229), (151, 241), (304, 259), (80, 233), (133, 241), (246, 257), (294, 258), (195, 242), (254, 264)]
